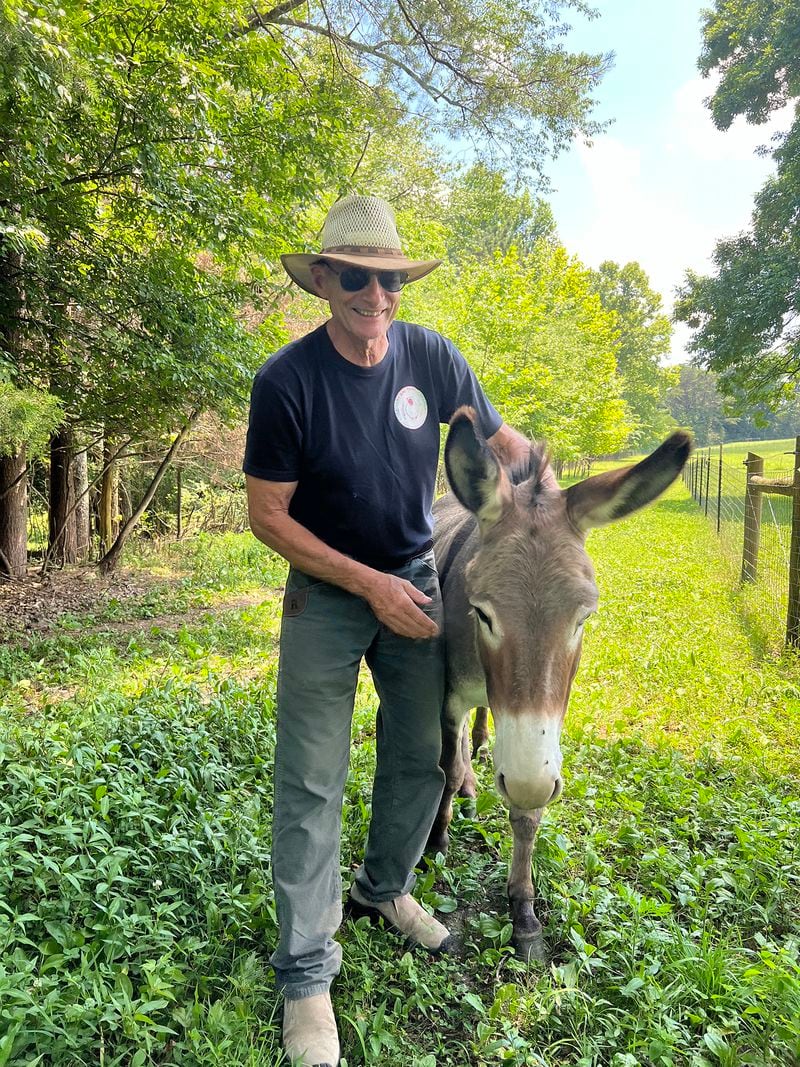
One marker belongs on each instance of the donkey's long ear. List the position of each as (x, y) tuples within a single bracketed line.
[(475, 475), (608, 497)]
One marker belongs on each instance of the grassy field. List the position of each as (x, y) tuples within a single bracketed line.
[(777, 454), (765, 603), (136, 915)]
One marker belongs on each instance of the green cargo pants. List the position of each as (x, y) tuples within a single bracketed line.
[(325, 633)]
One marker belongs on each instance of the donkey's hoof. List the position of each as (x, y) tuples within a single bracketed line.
[(437, 843), (531, 949), (469, 807)]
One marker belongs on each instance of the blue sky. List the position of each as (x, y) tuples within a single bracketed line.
[(662, 184)]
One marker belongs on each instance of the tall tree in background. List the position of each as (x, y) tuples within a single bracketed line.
[(644, 334), (493, 71), (536, 334), (150, 155), (484, 216), (746, 316), (696, 403)]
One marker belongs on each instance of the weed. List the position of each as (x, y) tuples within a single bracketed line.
[(136, 909)]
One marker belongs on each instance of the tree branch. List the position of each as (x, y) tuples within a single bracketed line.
[(365, 49), (109, 560), (77, 179), (260, 20)]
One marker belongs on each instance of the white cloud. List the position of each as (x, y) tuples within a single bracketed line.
[(691, 130), (667, 203), (632, 221)]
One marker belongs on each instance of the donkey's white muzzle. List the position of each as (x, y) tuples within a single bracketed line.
[(527, 760)]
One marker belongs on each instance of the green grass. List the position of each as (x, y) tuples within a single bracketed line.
[(136, 915), (775, 453), (764, 603)]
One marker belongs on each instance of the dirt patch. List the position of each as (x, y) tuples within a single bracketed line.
[(33, 604)]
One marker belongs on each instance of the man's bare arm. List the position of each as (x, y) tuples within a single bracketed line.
[(394, 600), (509, 445)]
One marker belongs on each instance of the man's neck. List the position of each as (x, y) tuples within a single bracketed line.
[(362, 352)]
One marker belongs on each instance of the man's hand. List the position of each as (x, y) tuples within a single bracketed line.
[(394, 601)]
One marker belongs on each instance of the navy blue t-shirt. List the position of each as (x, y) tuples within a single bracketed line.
[(361, 442)]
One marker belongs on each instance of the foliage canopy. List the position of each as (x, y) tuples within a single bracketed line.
[(493, 72), (746, 315)]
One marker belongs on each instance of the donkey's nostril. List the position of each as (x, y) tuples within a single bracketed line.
[(501, 784)]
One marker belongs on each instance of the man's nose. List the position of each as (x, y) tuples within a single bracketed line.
[(373, 288)]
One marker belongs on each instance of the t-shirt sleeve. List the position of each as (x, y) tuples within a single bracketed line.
[(274, 434), (462, 387)]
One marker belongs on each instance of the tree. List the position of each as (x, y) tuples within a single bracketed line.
[(27, 419), (496, 73), (746, 316), (697, 404), (644, 334), (536, 334), (484, 216), (148, 159)]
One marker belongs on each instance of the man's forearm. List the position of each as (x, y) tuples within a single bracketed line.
[(394, 600), (307, 553), (510, 446)]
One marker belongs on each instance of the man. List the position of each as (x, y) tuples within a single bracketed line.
[(341, 458)]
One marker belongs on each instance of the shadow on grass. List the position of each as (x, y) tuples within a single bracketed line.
[(764, 633)]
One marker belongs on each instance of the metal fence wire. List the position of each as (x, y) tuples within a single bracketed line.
[(753, 517)]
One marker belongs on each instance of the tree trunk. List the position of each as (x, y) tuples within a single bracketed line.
[(63, 546), (13, 515), (111, 558), (13, 472), (179, 505), (109, 499), (80, 488)]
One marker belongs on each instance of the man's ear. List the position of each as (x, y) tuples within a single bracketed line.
[(475, 475), (319, 277)]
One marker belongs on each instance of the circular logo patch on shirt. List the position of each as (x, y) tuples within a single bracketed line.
[(410, 407)]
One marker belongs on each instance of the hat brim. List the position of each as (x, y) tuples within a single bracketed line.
[(298, 265)]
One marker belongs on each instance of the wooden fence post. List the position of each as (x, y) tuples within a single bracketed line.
[(793, 616), (708, 477), (719, 492), (752, 518)]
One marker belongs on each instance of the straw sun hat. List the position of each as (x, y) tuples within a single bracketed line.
[(359, 231)]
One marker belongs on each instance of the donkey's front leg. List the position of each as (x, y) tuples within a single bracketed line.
[(480, 735), (469, 787), (452, 763), (527, 937)]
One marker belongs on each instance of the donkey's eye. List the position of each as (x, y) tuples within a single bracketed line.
[(483, 618), (580, 623)]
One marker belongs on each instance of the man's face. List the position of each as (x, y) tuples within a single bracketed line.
[(365, 315)]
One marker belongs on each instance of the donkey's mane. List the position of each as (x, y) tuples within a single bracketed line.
[(533, 467)]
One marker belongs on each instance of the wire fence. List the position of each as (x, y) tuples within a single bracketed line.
[(757, 520)]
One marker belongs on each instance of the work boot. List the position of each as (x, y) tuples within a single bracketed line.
[(310, 1037), (405, 916)]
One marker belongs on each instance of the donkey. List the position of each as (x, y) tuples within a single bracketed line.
[(518, 587)]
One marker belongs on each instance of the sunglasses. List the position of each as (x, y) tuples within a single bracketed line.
[(352, 279)]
